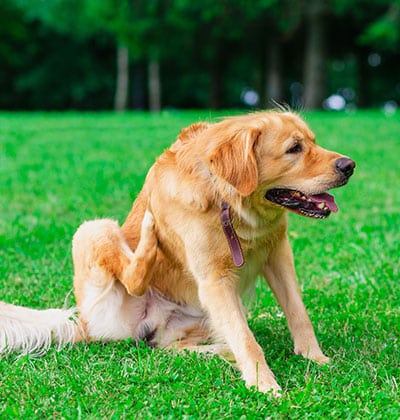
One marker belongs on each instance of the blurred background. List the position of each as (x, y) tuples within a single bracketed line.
[(157, 54)]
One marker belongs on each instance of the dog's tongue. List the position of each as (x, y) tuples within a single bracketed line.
[(328, 199)]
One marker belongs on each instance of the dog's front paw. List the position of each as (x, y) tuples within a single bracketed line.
[(262, 379), (266, 387), (315, 355), (322, 359)]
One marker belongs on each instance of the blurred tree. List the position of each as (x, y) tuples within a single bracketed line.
[(133, 24), (382, 34), (136, 27), (212, 28), (278, 22), (43, 68), (13, 36), (315, 54), (180, 53), (384, 31), (220, 31), (365, 29), (113, 17), (122, 83)]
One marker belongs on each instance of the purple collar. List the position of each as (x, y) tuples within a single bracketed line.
[(231, 236)]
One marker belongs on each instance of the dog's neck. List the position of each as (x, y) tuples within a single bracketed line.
[(231, 236)]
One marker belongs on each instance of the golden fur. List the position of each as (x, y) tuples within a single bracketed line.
[(236, 160), (167, 276)]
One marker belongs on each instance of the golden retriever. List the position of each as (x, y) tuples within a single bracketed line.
[(211, 217)]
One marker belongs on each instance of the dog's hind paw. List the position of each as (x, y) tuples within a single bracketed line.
[(148, 220)]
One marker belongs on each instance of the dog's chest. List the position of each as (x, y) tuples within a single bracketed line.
[(257, 245), (252, 268)]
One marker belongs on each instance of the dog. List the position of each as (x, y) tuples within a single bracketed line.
[(211, 217)]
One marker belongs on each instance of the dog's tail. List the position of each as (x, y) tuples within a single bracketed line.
[(32, 331)]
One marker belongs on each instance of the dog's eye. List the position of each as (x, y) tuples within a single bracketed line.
[(295, 149)]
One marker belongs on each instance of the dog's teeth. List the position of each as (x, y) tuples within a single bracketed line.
[(321, 206)]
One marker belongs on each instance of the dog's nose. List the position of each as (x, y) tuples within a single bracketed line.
[(345, 166)]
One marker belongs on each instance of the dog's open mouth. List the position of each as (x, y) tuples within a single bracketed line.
[(318, 206)]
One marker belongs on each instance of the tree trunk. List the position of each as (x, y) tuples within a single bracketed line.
[(274, 86), (217, 75), (138, 85), (216, 91), (362, 77), (121, 89), (315, 55), (154, 85)]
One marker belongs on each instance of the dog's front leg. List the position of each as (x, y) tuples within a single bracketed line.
[(219, 296), (281, 276)]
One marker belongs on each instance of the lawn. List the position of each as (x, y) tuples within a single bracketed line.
[(59, 169)]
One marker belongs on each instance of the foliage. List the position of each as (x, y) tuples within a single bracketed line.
[(384, 32), (209, 51), (60, 169)]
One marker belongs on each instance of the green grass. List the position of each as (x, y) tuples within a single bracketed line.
[(57, 170)]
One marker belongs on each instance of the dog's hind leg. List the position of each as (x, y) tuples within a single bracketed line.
[(105, 270), (135, 276), (191, 343)]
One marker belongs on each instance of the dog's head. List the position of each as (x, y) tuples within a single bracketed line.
[(272, 157)]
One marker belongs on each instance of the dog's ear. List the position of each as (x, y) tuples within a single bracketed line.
[(188, 133), (234, 160)]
